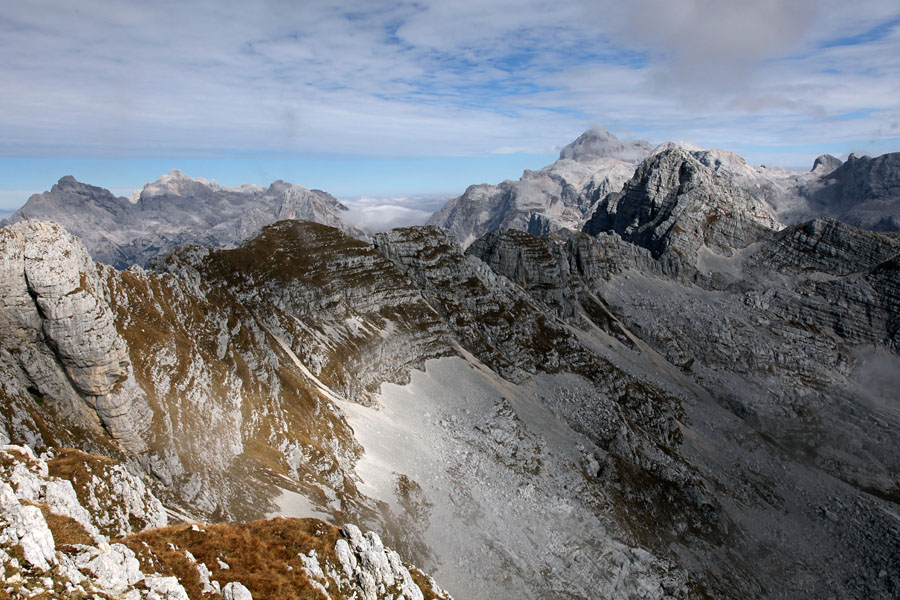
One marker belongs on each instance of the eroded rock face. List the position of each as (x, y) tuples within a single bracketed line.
[(76, 322), (58, 317)]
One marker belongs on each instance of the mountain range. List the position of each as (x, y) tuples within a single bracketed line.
[(173, 210), (636, 373)]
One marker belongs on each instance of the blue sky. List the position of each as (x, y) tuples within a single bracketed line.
[(384, 99)]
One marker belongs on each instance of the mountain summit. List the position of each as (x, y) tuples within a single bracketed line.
[(599, 143)]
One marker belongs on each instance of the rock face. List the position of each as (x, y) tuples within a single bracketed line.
[(175, 209), (60, 330), (674, 204), (597, 163)]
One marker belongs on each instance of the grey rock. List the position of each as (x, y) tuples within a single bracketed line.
[(24, 526), (825, 164), (676, 205), (166, 588), (113, 568), (61, 326), (371, 568), (863, 191), (234, 590)]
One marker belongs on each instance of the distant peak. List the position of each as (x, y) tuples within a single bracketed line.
[(600, 143), (68, 183), (598, 133), (826, 163), (172, 182)]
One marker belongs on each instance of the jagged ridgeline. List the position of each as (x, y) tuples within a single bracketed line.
[(669, 394)]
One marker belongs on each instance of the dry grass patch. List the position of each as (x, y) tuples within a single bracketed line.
[(262, 555), (66, 530), (75, 465)]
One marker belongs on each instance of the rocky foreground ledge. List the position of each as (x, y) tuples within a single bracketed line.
[(73, 525)]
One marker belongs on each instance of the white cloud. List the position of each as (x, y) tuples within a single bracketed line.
[(381, 214), (437, 78)]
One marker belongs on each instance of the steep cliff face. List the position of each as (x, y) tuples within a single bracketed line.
[(176, 209), (58, 334)]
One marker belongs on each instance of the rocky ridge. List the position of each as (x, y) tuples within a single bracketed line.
[(563, 196)]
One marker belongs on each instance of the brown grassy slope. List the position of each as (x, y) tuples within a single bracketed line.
[(259, 554), (262, 555), (211, 372)]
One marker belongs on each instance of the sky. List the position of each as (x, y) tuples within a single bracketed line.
[(405, 103)]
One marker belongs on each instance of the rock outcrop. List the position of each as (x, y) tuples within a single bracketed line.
[(60, 331)]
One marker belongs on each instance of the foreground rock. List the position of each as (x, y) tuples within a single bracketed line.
[(51, 545)]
